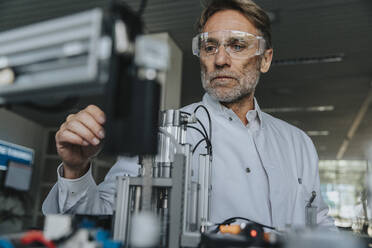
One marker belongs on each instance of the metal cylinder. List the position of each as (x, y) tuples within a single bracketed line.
[(205, 188), (163, 213), (170, 122), (190, 194), (155, 170), (166, 148), (165, 170), (164, 224), (192, 211), (137, 199)]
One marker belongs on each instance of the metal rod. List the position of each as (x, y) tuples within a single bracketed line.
[(147, 162), (176, 201), (122, 209), (204, 190)]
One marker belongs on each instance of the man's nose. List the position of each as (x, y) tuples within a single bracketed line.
[(222, 58)]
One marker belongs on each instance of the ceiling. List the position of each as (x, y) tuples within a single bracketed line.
[(301, 29)]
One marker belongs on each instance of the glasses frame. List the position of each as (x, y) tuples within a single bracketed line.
[(260, 50)]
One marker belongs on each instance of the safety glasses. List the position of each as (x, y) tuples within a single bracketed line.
[(237, 44)]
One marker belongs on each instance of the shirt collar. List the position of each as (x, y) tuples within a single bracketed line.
[(219, 108)]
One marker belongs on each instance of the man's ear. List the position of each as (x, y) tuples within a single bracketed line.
[(267, 57)]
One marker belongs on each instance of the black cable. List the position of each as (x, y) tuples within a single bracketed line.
[(200, 123), (197, 144), (209, 119), (210, 123), (142, 7), (186, 113), (206, 137), (197, 129), (205, 130), (233, 219)]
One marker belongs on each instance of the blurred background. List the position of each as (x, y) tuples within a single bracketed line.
[(320, 81)]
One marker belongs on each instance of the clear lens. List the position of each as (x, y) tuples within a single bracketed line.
[(236, 43)]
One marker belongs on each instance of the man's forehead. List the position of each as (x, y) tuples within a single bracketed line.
[(229, 20)]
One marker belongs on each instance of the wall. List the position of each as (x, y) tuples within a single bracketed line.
[(171, 79)]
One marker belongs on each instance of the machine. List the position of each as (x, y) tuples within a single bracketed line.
[(98, 52), (165, 188), (15, 166)]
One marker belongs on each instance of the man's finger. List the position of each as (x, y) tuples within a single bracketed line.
[(69, 117), (79, 129), (67, 136), (97, 113), (88, 120)]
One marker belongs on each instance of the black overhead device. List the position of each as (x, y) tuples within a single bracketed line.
[(96, 52)]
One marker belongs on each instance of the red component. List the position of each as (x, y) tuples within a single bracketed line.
[(253, 233), (36, 236)]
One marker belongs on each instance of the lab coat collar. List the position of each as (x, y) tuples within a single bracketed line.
[(220, 109)]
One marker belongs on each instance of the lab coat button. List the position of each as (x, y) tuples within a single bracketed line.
[(248, 170)]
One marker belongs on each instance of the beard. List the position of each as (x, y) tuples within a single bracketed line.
[(244, 83)]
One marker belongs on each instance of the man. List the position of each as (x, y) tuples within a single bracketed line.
[(263, 168)]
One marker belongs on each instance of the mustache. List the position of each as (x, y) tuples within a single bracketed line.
[(215, 74)]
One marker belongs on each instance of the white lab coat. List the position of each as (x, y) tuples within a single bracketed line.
[(286, 153), (291, 163)]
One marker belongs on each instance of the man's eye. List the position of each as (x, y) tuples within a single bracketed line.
[(237, 47), (210, 48)]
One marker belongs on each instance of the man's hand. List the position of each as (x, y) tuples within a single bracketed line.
[(78, 139)]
